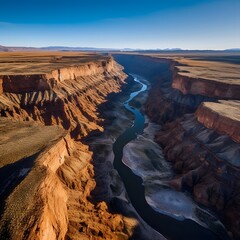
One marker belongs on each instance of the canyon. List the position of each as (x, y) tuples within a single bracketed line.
[(199, 118), (60, 116), (49, 111)]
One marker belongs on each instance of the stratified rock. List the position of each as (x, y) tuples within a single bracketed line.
[(223, 117), (200, 132), (52, 199)]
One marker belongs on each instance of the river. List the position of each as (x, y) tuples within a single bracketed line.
[(166, 224)]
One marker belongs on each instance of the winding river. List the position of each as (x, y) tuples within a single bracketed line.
[(169, 226)]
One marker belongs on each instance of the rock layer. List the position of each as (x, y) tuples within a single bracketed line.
[(58, 187), (64, 97), (207, 164), (206, 87), (223, 117), (198, 75)]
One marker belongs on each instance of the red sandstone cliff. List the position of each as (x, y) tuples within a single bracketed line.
[(58, 201), (223, 117), (57, 206), (66, 97), (204, 86)]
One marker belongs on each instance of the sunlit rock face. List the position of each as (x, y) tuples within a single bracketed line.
[(223, 117), (52, 199), (66, 97), (53, 106)]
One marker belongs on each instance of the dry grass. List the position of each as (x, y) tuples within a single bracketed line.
[(203, 67), (23, 139), (22, 205), (220, 67), (20, 145), (21, 63), (217, 71), (229, 109)]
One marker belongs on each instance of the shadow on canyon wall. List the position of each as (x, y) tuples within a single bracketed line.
[(106, 179), (193, 150)]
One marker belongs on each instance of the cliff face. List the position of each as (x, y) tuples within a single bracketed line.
[(206, 164), (56, 204), (205, 87), (199, 76), (52, 219), (200, 132), (40, 82), (223, 117), (36, 208), (24, 83), (67, 97)]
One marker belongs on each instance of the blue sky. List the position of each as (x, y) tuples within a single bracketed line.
[(187, 24)]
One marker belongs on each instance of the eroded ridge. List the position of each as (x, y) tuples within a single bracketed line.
[(50, 109)]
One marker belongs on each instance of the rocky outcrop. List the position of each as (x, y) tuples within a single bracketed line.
[(67, 97), (52, 222), (40, 82), (223, 117), (52, 202), (24, 83), (205, 87), (207, 164), (37, 207)]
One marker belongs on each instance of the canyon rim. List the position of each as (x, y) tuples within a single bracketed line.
[(120, 120), (60, 119)]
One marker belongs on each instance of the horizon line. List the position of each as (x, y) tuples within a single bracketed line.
[(125, 48)]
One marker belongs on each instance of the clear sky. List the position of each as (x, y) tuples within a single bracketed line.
[(187, 24)]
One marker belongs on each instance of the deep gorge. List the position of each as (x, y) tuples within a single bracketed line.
[(200, 156), (78, 193)]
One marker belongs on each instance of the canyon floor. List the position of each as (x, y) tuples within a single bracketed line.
[(60, 115)]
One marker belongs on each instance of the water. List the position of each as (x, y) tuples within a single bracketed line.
[(169, 226)]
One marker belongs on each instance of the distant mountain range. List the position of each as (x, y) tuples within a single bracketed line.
[(55, 48), (232, 50), (63, 48), (93, 49)]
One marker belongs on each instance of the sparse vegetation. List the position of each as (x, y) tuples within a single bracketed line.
[(21, 63)]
